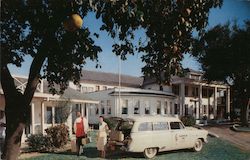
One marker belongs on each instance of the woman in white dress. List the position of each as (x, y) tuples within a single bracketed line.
[(102, 137)]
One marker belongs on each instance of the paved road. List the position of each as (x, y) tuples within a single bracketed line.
[(239, 139)]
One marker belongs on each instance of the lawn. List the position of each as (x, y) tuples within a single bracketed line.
[(216, 149)]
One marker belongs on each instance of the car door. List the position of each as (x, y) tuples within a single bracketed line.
[(161, 136), (179, 135)]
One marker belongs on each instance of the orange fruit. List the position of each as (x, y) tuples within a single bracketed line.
[(73, 23)]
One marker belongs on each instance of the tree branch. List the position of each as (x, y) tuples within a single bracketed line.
[(34, 76), (7, 82)]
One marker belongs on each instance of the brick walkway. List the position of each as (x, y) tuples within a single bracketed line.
[(239, 139)]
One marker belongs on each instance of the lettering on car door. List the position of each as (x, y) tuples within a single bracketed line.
[(179, 135)]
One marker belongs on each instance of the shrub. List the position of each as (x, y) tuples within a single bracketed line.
[(39, 142), (188, 120), (58, 135)]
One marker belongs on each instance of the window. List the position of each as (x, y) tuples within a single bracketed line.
[(176, 108), (97, 88), (109, 106), (166, 108), (84, 89), (137, 107), (78, 88), (211, 109), (102, 107), (49, 115), (124, 106), (90, 89), (176, 89), (186, 90), (204, 109), (146, 107), (146, 126), (186, 109), (195, 77), (195, 92), (105, 87), (204, 92), (176, 125), (58, 115), (210, 92), (158, 107), (103, 110), (97, 110), (171, 107), (109, 110), (158, 126)]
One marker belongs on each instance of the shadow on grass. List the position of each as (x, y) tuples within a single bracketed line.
[(92, 152)]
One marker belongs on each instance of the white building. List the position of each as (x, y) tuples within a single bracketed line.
[(46, 109), (126, 102), (99, 94), (195, 96)]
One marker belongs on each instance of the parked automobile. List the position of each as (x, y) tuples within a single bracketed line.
[(152, 134)]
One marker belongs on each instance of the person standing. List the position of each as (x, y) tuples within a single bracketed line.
[(2, 131), (102, 137), (81, 127)]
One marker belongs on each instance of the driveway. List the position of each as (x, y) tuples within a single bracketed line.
[(239, 139)]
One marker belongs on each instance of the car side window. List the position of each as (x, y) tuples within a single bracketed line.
[(176, 125), (145, 126), (158, 126)]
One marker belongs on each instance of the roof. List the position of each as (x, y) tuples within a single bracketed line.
[(189, 70), (72, 94), (138, 91), (110, 79), (146, 118)]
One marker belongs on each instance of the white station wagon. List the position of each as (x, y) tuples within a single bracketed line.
[(152, 134)]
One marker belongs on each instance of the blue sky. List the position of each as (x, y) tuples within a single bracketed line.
[(231, 10)]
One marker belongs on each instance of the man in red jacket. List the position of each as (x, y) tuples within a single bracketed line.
[(81, 127)]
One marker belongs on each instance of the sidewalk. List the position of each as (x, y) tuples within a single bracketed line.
[(239, 139)]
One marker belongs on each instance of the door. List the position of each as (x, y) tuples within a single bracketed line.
[(161, 136), (179, 135)]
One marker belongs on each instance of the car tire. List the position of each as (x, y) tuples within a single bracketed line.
[(198, 145), (150, 152)]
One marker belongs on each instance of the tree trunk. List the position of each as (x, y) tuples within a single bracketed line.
[(243, 114), (17, 110), (15, 123)]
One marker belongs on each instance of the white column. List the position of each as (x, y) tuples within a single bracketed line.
[(168, 107), (197, 110), (70, 120), (42, 118), (87, 111), (32, 118), (215, 102), (53, 116), (182, 98), (82, 109), (200, 100), (228, 100)]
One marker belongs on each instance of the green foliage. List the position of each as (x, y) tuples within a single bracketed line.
[(39, 142), (63, 111), (224, 53), (58, 135), (168, 26), (188, 120), (36, 28)]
